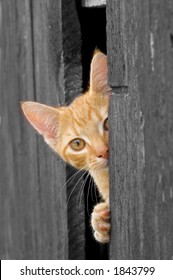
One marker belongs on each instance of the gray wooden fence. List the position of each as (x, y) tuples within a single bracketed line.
[(41, 60)]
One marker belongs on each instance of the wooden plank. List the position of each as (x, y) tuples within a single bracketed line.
[(141, 119), (33, 206), (34, 216), (117, 43), (17, 148), (126, 141), (126, 167), (57, 39), (155, 87)]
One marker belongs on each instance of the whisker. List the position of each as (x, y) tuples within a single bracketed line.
[(82, 190), (72, 177), (80, 195), (95, 192), (94, 165), (75, 186), (92, 187), (89, 188)]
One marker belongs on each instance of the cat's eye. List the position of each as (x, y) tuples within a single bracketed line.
[(106, 124), (77, 144)]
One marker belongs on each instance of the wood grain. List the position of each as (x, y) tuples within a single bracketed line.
[(49, 89), (141, 120), (33, 205), (117, 43)]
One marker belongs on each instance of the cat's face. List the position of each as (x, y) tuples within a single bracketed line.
[(78, 132), (82, 139)]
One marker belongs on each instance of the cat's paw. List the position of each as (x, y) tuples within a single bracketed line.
[(100, 221)]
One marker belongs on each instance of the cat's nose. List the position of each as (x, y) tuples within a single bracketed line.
[(103, 153)]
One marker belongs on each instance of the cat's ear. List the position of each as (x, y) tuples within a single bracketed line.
[(98, 74), (43, 118)]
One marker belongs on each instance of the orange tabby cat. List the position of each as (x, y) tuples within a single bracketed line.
[(79, 134)]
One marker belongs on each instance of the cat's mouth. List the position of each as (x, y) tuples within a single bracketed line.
[(100, 163), (103, 163)]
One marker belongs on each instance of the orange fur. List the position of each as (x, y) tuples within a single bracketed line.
[(83, 119)]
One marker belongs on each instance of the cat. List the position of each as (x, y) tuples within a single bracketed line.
[(79, 134)]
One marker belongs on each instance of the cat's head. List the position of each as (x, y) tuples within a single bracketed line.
[(78, 132)]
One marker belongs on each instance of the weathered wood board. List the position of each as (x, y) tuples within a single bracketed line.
[(141, 120), (33, 208)]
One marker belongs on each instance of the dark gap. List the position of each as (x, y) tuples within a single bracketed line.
[(94, 249), (171, 39), (93, 30)]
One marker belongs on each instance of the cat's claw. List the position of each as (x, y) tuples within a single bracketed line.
[(100, 221)]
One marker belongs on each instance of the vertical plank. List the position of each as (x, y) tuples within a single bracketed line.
[(126, 139), (126, 167), (117, 43), (34, 216), (141, 118), (155, 86), (48, 78), (18, 148)]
